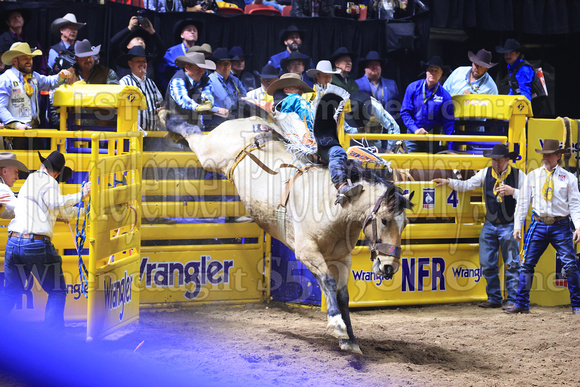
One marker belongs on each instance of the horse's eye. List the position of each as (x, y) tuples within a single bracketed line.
[(384, 221)]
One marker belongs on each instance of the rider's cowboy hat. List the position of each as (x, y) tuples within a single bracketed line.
[(550, 146), (284, 33), (179, 27), (510, 45), (292, 57), (84, 49), (8, 159), (288, 80), (17, 49), (342, 51), (482, 58), (195, 58), (55, 163), (69, 18), (500, 151), (205, 49), (324, 67), (135, 51)]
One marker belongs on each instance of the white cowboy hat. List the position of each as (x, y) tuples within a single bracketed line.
[(196, 58), (287, 80), (324, 66), (84, 49), (17, 49), (69, 18), (8, 159)]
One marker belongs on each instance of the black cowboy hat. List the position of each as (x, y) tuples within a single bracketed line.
[(482, 58), (509, 46), (178, 28), (294, 56), (284, 33), (371, 55), (220, 54), (500, 151), (434, 61), (342, 51), (55, 163), (135, 51), (236, 52), (268, 72)]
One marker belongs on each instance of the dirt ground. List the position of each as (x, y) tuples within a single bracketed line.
[(441, 345)]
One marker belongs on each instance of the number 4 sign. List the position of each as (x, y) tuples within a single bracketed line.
[(453, 199)]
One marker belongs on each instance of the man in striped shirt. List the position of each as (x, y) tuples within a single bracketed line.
[(136, 60)]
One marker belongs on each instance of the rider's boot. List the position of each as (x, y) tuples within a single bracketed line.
[(348, 191)]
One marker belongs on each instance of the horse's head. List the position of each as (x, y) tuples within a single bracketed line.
[(383, 228)]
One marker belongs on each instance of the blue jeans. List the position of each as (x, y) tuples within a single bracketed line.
[(560, 236), (494, 237), (337, 165), (26, 256)]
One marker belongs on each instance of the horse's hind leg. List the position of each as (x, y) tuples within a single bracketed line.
[(350, 344)]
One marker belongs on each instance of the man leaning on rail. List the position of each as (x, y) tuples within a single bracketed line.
[(501, 188)]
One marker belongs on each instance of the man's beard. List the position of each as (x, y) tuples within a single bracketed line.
[(22, 68), (294, 47)]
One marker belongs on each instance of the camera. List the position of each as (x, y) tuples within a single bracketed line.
[(139, 17)]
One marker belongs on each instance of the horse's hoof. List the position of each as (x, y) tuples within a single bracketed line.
[(350, 346), (336, 327)]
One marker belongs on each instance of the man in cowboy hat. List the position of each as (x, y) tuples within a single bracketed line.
[(382, 89), (473, 79), (239, 68), (87, 69), (521, 74), (287, 92), (291, 38), (189, 95), (226, 88), (296, 63), (20, 86), (427, 108), (342, 60), (66, 28), (29, 249), (501, 190), (268, 76), (187, 32), (136, 60), (9, 167), (553, 193)]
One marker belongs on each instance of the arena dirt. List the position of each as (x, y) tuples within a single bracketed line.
[(441, 345)]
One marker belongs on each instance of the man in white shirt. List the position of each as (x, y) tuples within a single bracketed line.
[(553, 193), (29, 248), (473, 79), (9, 167), (501, 188)]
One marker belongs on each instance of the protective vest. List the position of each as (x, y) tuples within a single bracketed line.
[(20, 105), (504, 211)]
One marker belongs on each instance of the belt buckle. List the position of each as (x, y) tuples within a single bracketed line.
[(549, 220)]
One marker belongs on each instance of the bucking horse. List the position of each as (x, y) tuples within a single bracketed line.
[(293, 201)]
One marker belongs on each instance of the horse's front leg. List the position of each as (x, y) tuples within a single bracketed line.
[(350, 344)]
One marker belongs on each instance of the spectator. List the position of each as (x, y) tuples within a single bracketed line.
[(268, 76), (208, 6), (342, 60), (164, 5), (427, 108), (312, 8), (297, 63), (239, 68), (87, 69), (66, 28), (382, 89), (472, 79), (187, 31), (521, 74), (292, 39)]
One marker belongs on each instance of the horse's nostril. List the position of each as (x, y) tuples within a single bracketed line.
[(389, 271)]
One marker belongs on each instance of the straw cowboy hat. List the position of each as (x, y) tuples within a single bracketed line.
[(84, 49), (510, 45), (69, 18), (324, 67), (18, 49), (288, 80), (500, 151), (483, 58), (195, 58), (8, 159), (55, 163), (550, 146)]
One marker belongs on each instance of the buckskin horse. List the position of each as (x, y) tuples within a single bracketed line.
[(294, 202)]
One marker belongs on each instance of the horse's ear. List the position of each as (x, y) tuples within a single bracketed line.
[(409, 197)]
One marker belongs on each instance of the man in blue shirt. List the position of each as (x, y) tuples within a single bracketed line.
[(473, 79), (520, 74), (291, 38), (427, 108), (382, 89)]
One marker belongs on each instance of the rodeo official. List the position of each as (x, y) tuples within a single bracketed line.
[(554, 195)]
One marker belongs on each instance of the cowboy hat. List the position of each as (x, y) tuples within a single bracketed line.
[(292, 57), (288, 80), (8, 159), (435, 61), (510, 45), (195, 58), (324, 67), (500, 151), (69, 18), (371, 55), (284, 33), (550, 146), (236, 52), (18, 49), (178, 29), (55, 163), (483, 58), (204, 49), (25, 12), (84, 48), (135, 51), (220, 54), (268, 72), (342, 51)]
